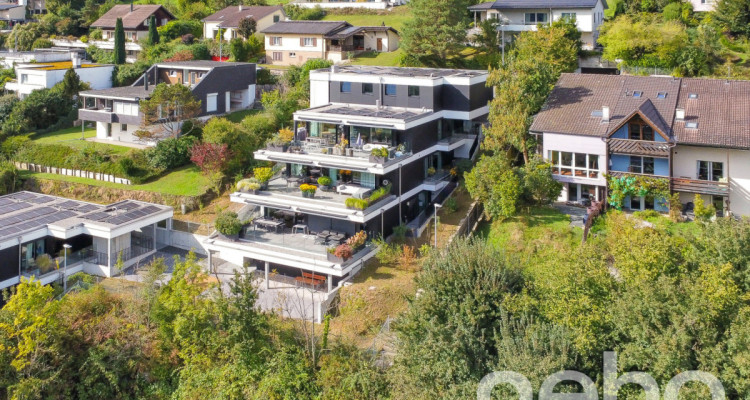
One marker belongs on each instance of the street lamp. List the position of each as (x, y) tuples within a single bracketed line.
[(66, 247), (436, 222)]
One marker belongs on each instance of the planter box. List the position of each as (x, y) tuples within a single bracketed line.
[(338, 260), (279, 148), (230, 237), (377, 159)]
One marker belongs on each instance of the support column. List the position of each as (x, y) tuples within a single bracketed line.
[(210, 262), (109, 255), (267, 267), (330, 283)]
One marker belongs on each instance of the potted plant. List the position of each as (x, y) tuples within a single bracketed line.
[(325, 182), (281, 140), (342, 253), (357, 240), (431, 171), (378, 155), (228, 225), (250, 185), (308, 190), (263, 175)]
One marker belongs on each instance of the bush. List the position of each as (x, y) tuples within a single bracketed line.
[(265, 77), (187, 39), (451, 205), (238, 50), (40, 110), (96, 34), (379, 152), (703, 212), (13, 145), (126, 74), (296, 12), (177, 28), (399, 232), (171, 152), (359, 204), (343, 251), (324, 181), (647, 214), (228, 224), (42, 43), (263, 174), (84, 39), (379, 193)]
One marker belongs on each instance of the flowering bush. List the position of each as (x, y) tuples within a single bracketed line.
[(263, 174), (343, 251), (308, 188)]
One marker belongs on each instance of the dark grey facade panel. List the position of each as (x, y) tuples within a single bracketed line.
[(221, 81), (456, 98), (9, 263), (481, 95)]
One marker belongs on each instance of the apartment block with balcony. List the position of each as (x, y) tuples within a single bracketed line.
[(386, 139), (294, 42), (515, 16), (693, 133), (222, 87), (47, 236)]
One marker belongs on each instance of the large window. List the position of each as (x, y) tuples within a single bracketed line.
[(413, 91), (640, 131), (324, 130), (364, 179), (641, 165), (367, 88), (372, 135), (569, 16), (346, 87), (390, 90), (710, 170), (580, 165), (536, 18)]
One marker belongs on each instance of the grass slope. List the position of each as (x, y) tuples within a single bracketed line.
[(72, 137)]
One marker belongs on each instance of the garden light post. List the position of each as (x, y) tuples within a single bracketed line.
[(436, 222), (66, 247)]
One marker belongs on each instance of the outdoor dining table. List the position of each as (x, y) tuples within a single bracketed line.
[(293, 180), (268, 223)]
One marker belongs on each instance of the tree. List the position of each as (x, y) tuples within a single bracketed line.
[(22, 36), (643, 40), (238, 50), (540, 187), (734, 16), (41, 109), (247, 27), (494, 183), (213, 160), (71, 85), (436, 31), (167, 107), (119, 53), (523, 84), (153, 34)]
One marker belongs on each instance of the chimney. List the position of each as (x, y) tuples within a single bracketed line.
[(679, 114), (605, 114), (131, 5)]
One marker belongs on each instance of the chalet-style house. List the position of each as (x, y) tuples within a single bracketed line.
[(135, 20), (694, 133), (516, 16), (385, 140), (37, 230), (294, 42), (222, 87), (229, 19)]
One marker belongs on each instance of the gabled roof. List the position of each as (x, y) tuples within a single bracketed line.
[(130, 19), (647, 111), (716, 111), (307, 27), (353, 30), (231, 16), (536, 4)]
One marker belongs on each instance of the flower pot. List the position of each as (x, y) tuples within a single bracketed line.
[(254, 191), (337, 260), (264, 186), (278, 147), (350, 152), (377, 159), (230, 237)]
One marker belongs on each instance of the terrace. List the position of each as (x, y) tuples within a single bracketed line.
[(284, 194)]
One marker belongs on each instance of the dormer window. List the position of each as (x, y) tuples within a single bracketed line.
[(661, 95), (637, 94)]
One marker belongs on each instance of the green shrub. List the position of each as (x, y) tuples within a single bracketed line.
[(126, 74), (13, 145), (171, 152), (379, 193), (359, 204), (263, 174), (703, 212), (647, 214), (451, 205), (227, 223), (42, 43), (296, 12), (380, 152), (179, 27), (324, 181), (96, 34), (399, 232)]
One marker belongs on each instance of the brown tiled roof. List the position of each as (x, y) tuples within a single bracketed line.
[(231, 16), (130, 19), (721, 110), (307, 27), (648, 112)]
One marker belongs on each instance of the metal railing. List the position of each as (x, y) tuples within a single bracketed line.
[(125, 254)]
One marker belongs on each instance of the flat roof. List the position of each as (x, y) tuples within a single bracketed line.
[(122, 92), (200, 64), (409, 72), (393, 113), (25, 212), (58, 65)]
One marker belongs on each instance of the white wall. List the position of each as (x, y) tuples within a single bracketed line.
[(703, 5), (319, 95), (736, 168), (292, 43), (578, 144)]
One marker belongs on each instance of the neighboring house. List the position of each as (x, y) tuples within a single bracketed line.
[(221, 87), (12, 13), (132, 49), (9, 59), (694, 133), (423, 120), (524, 15), (229, 19), (703, 5), (35, 7), (135, 20), (294, 42), (30, 77), (34, 228)]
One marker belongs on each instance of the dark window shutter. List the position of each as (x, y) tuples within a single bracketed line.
[(315, 42), (301, 41)]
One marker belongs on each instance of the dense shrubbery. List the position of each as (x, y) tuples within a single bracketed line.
[(41, 110), (178, 28), (296, 12), (171, 152)]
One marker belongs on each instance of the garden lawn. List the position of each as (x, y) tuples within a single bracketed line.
[(72, 137), (390, 59), (185, 181), (394, 18)]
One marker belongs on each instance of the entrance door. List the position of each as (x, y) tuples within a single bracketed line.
[(380, 44)]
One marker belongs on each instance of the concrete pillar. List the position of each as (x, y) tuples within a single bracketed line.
[(267, 267), (210, 262), (109, 256), (330, 283)]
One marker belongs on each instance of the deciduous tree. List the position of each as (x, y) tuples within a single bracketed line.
[(166, 108)]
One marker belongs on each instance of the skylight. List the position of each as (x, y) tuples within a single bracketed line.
[(661, 95), (691, 125), (693, 96), (597, 113), (637, 94)]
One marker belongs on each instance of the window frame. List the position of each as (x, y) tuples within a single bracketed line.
[(371, 91), (306, 40), (275, 40), (411, 89), (590, 170), (710, 170), (389, 86), (343, 84)]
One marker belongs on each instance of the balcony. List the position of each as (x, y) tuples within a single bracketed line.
[(713, 188), (286, 195), (639, 147), (97, 114), (314, 152), (45, 265)]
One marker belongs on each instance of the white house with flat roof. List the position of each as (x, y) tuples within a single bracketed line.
[(35, 76)]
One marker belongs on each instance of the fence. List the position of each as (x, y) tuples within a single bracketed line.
[(72, 172), (469, 223), (192, 227)]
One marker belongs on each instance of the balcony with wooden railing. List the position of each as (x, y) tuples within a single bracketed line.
[(713, 188)]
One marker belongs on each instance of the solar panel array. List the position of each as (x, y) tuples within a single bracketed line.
[(121, 213), (36, 223)]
